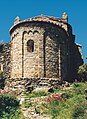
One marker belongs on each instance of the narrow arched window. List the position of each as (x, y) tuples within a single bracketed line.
[(1, 67), (30, 46)]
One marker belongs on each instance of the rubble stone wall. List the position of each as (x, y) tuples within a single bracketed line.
[(22, 85), (16, 55), (5, 58), (44, 61), (42, 52)]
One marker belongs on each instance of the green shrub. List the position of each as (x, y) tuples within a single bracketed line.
[(67, 95), (40, 93), (79, 88), (54, 110), (37, 94), (72, 105), (27, 104), (9, 107), (82, 72), (80, 111)]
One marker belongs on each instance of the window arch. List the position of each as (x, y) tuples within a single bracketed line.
[(1, 67), (30, 45)]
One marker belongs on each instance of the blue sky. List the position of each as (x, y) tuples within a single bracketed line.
[(76, 10)]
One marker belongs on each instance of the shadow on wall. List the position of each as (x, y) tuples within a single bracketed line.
[(76, 60), (2, 80)]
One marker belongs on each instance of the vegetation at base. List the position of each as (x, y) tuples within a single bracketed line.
[(36, 94), (27, 104), (74, 105), (9, 107), (80, 111), (66, 103), (82, 72)]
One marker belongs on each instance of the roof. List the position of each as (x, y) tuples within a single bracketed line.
[(48, 19)]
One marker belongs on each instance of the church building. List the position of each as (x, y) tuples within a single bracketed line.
[(41, 47)]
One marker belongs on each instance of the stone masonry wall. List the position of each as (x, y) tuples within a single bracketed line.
[(7, 60), (51, 57), (44, 61), (16, 55), (33, 61), (22, 85)]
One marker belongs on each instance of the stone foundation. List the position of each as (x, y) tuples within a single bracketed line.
[(40, 47), (22, 85)]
